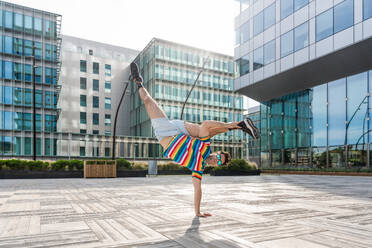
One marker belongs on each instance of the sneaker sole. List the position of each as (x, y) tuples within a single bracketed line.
[(249, 123)]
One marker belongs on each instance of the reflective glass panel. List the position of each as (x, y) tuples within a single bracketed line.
[(18, 21), (286, 8), (286, 44), (258, 24), (243, 65), (258, 58), (8, 44), (8, 19), (95, 85), (28, 23), (8, 120), (8, 95), (319, 115), (269, 52), (344, 15), (269, 16), (336, 112), (95, 102), (244, 32), (301, 36), (356, 94), (324, 25), (38, 25), (367, 9), (298, 4), (8, 70)]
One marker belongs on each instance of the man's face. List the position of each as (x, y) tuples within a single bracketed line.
[(213, 160)]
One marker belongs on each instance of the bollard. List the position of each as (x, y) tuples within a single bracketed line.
[(153, 168)]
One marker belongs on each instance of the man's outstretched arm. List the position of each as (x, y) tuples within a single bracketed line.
[(197, 198)]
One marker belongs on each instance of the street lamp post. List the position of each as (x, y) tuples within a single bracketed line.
[(33, 103), (115, 121)]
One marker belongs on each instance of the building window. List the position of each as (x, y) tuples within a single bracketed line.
[(95, 120), (95, 102), (286, 44), (108, 133), (83, 131), (258, 24), (82, 151), (95, 131), (90, 52), (83, 118), (107, 151), (95, 85), (83, 65), (298, 4), (108, 86), (243, 64), (108, 70), (83, 100), (83, 83), (269, 16), (244, 32), (258, 58), (95, 68), (107, 120), (343, 15), (269, 52), (367, 9), (301, 36), (324, 25), (286, 8), (107, 103)]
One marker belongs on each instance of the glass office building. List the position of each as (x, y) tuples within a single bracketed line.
[(27, 32), (308, 64), (169, 70)]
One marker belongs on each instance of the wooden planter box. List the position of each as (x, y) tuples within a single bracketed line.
[(235, 173), (99, 168)]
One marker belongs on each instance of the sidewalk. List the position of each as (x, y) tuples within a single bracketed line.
[(254, 211)]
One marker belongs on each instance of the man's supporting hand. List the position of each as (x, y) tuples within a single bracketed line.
[(203, 215), (197, 198)]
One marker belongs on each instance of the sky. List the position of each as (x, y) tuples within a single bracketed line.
[(205, 24)]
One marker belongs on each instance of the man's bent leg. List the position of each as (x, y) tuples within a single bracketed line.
[(152, 108)]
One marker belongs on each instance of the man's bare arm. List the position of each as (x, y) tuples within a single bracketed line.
[(197, 198)]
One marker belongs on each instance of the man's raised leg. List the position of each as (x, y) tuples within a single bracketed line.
[(152, 107)]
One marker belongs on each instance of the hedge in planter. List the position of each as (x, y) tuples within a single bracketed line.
[(23, 169), (235, 168)]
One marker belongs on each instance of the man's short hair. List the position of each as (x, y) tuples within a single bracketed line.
[(227, 157)]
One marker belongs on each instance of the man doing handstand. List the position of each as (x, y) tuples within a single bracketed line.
[(188, 144)]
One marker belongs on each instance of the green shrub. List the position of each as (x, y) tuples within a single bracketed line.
[(76, 164), (171, 166), (236, 165), (123, 164), (37, 165), (60, 165)]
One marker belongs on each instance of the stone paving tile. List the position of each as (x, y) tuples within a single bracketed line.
[(258, 212)]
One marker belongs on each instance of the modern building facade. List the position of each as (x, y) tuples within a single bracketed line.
[(93, 76), (309, 64), (28, 33), (169, 69)]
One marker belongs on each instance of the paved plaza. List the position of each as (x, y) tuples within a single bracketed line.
[(255, 211)]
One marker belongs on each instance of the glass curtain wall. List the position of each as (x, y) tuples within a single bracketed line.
[(326, 126)]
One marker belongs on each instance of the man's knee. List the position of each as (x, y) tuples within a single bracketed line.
[(206, 124)]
